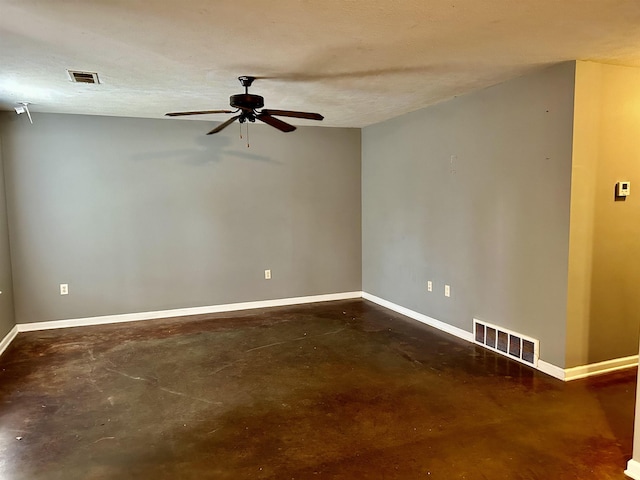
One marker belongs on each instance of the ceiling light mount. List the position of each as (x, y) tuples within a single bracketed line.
[(246, 80)]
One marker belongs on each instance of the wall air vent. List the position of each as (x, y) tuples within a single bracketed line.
[(83, 77), (513, 345)]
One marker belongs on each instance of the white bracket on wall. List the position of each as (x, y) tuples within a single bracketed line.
[(24, 108)]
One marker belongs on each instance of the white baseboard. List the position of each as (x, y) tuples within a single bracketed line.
[(8, 338), (551, 369), (583, 371), (565, 374), (181, 312), (445, 327), (560, 373), (543, 366), (633, 469)]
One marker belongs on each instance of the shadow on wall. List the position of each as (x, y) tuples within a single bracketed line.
[(208, 149)]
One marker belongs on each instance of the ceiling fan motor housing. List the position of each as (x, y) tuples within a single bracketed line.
[(246, 101)]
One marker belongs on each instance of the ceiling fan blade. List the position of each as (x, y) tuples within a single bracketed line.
[(274, 122), (200, 112), (289, 113), (224, 125)]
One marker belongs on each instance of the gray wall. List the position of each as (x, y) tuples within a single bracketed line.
[(141, 215), (475, 193), (7, 321)]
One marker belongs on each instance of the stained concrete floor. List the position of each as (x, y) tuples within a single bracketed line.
[(339, 390)]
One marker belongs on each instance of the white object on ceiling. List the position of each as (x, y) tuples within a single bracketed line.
[(24, 108), (357, 62)]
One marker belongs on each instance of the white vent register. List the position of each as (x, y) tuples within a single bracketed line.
[(506, 342)]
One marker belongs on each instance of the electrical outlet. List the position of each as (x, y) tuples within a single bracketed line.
[(429, 286), (267, 274), (447, 291), (64, 289)]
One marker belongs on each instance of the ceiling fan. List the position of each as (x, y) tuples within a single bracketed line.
[(246, 106)]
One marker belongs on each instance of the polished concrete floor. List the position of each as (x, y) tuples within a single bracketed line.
[(339, 390)]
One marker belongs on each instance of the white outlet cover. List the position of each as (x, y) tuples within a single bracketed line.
[(447, 291)]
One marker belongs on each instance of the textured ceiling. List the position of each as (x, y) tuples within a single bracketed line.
[(355, 61)]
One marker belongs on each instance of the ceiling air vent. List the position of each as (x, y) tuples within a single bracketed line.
[(83, 77)]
